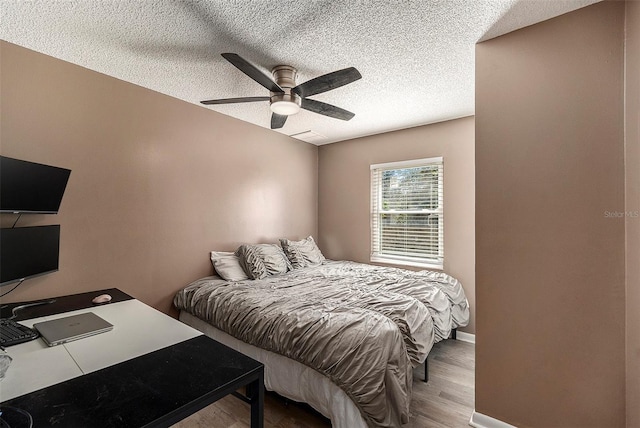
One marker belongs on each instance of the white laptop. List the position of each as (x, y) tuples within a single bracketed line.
[(74, 327)]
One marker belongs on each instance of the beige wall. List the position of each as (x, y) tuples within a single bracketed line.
[(156, 183), (550, 286), (344, 192), (632, 161)]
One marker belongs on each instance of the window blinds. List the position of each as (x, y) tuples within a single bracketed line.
[(406, 212)]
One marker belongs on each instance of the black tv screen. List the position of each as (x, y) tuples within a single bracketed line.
[(26, 252), (28, 187)]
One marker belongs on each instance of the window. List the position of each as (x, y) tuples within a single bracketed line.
[(406, 213)]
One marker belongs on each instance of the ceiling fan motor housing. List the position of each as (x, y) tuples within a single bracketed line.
[(287, 102)]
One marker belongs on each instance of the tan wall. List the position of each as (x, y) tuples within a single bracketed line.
[(550, 287), (156, 183), (344, 192), (632, 160)]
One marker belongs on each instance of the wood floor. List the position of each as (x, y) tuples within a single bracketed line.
[(446, 401)]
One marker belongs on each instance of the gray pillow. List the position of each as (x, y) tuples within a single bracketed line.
[(262, 260), (227, 265), (302, 253)]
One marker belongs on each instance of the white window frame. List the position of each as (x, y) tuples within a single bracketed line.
[(377, 255)]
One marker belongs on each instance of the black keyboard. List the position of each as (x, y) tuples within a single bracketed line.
[(12, 333)]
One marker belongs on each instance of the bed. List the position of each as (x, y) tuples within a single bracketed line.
[(341, 336)]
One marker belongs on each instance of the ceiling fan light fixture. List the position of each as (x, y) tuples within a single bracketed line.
[(285, 108), (286, 96)]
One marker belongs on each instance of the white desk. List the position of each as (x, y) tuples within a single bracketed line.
[(150, 370), (137, 330)]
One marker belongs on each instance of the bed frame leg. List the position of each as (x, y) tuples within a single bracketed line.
[(454, 333), (426, 370)]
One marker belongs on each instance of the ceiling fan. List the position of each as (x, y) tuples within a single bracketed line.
[(286, 97)]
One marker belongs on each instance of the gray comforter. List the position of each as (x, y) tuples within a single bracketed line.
[(362, 326), (441, 293)]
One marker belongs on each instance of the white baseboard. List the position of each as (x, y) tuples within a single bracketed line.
[(478, 420), (465, 337)]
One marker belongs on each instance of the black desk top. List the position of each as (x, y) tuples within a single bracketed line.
[(156, 389), (62, 304)]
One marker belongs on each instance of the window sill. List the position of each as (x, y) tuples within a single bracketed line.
[(406, 263)]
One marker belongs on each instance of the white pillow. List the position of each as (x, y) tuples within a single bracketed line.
[(227, 265)]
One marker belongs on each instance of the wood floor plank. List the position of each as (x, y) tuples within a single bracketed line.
[(446, 401)]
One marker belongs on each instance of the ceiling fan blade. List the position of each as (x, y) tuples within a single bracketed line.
[(235, 100), (252, 71), (327, 82), (326, 109), (277, 121)]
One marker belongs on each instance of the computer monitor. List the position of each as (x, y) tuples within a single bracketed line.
[(26, 252), (28, 187)]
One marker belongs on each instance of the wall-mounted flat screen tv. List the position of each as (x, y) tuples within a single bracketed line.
[(28, 187), (26, 252)]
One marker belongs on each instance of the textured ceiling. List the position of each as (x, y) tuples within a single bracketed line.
[(416, 57)]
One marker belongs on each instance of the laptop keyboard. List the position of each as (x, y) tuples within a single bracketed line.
[(12, 333)]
